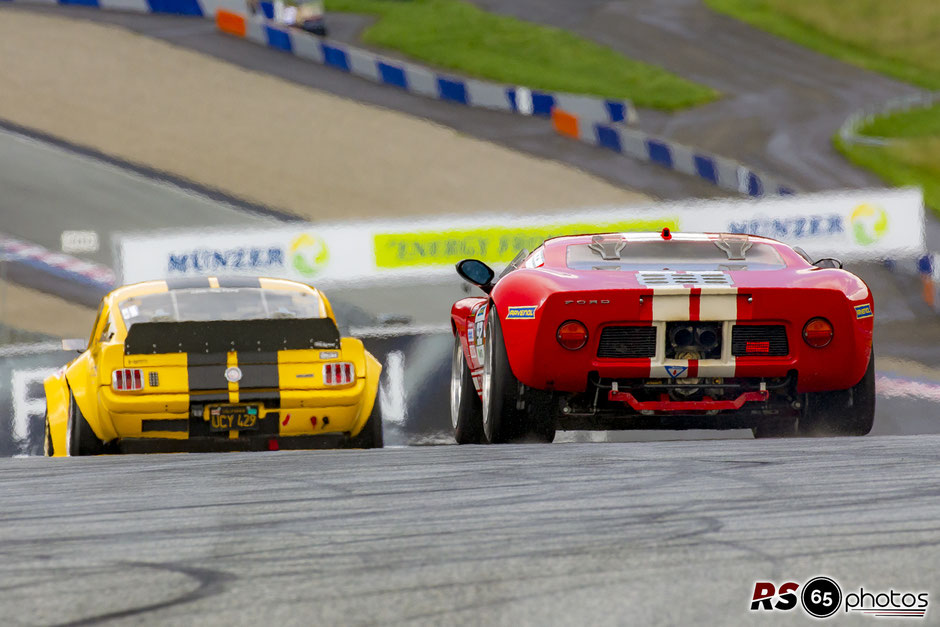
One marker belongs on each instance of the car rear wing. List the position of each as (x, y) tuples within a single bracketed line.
[(222, 336)]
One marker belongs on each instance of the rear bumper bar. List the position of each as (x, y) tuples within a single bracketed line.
[(706, 404)]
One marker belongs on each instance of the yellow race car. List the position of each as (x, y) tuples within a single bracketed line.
[(214, 364)]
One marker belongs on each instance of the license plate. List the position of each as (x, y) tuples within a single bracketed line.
[(232, 417)]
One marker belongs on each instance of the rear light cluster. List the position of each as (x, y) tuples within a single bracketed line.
[(751, 347), (572, 335), (127, 379), (339, 373), (817, 332)]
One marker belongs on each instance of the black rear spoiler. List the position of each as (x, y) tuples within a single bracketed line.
[(222, 336)]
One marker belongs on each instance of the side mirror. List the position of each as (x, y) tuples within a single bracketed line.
[(828, 262), (77, 345), (476, 272)]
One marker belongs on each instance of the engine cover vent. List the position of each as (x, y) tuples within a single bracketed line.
[(648, 278)]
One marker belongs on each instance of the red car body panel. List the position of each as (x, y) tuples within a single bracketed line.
[(789, 296)]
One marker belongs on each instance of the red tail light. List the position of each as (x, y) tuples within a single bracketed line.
[(752, 347), (572, 335), (127, 379), (339, 373), (817, 332)]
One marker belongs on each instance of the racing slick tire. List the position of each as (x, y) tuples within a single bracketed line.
[(371, 435), (466, 410), (47, 448), (503, 420), (80, 439), (777, 429), (540, 419), (843, 412)]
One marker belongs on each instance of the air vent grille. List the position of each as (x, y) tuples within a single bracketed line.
[(627, 342)]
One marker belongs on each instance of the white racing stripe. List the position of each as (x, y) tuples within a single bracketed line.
[(677, 303)]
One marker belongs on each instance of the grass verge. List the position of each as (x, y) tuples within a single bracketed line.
[(897, 38), (456, 35), (902, 162)]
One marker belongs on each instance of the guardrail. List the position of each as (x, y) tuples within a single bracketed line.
[(848, 132), (631, 142), (415, 78)]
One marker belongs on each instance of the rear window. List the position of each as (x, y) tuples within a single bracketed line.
[(614, 253), (203, 304)]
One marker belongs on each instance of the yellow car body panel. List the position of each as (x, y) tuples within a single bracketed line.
[(290, 388)]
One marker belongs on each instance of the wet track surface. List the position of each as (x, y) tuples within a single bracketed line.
[(633, 533)]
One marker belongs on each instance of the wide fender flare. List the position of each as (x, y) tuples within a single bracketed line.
[(57, 410), (519, 338), (370, 393), (77, 375)]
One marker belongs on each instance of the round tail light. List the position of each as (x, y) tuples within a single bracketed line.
[(817, 332), (572, 335)]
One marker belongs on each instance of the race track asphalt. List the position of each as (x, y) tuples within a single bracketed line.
[(780, 103), (49, 188), (662, 533)]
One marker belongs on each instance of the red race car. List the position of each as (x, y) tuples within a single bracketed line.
[(662, 331)]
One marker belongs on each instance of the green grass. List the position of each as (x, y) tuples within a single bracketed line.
[(894, 37), (914, 162), (458, 36), (922, 122), (898, 38)]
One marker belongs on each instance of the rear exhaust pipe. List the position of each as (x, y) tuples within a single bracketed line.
[(706, 337), (681, 336)]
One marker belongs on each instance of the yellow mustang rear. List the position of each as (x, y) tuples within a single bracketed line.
[(214, 364)]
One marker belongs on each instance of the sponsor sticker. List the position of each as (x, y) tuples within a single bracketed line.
[(675, 371), (863, 311), (521, 313), (470, 334)]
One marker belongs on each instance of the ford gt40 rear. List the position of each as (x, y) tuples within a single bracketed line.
[(662, 331)]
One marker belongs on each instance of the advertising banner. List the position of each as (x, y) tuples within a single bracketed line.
[(857, 225)]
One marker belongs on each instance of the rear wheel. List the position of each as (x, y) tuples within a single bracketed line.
[(466, 410), (843, 412), (79, 438), (777, 429), (503, 421), (371, 435), (47, 448), (540, 416)]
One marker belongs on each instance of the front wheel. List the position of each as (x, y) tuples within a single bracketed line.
[(372, 435), (843, 412), (466, 410)]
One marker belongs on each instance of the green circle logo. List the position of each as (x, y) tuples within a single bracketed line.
[(309, 254), (869, 223)]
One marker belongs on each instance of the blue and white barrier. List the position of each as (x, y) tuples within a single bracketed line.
[(631, 142), (415, 78)]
